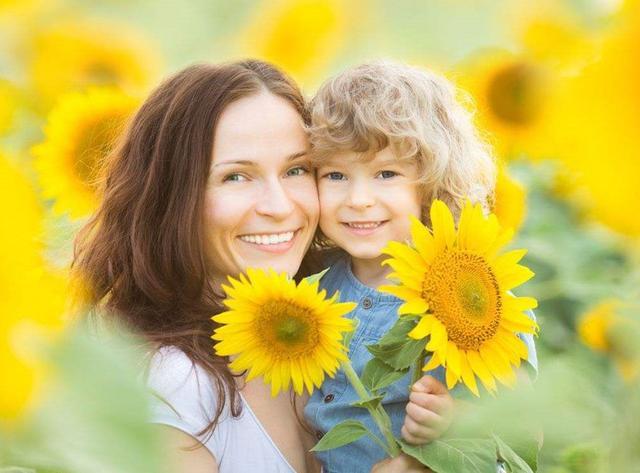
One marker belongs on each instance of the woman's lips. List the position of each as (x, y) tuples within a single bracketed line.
[(271, 242)]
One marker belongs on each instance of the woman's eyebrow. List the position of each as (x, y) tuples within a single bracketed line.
[(246, 162)]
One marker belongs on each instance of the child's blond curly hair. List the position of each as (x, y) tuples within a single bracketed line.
[(414, 111)]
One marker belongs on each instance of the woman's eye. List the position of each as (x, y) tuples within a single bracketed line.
[(235, 177), (298, 171), (387, 174), (334, 176)]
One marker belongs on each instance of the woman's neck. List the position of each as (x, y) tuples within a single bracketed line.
[(370, 272)]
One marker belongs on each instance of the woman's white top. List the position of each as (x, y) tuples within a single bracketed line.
[(185, 398)]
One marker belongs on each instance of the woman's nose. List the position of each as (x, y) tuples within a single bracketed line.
[(274, 201)]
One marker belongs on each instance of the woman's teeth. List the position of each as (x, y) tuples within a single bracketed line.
[(271, 239), (364, 224)]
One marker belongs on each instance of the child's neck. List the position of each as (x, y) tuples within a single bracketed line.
[(370, 272)]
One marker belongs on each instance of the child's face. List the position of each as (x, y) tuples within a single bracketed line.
[(365, 204)]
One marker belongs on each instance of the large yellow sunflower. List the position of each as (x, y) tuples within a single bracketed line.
[(31, 296), (72, 56), (80, 132), (285, 332), (460, 286), (597, 133), (512, 93)]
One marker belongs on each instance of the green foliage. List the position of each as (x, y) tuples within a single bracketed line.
[(453, 454), (395, 348), (342, 434), (378, 374), (94, 416)]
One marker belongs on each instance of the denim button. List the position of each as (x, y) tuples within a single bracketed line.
[(328, 398), (367, 303)]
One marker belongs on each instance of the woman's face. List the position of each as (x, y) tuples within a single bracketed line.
[(261, 199)]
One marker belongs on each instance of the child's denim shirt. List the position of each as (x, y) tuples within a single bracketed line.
[(331, 403)]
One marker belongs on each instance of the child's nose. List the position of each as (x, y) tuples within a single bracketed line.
[(361, 195)]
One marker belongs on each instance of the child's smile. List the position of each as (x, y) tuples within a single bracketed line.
[(365, 203)]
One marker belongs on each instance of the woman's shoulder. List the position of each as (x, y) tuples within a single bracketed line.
[(182, 389)]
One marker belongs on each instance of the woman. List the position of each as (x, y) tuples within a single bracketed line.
[(212, 177)]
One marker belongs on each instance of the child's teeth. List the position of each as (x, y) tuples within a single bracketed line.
[(365, 225), (271, 239)]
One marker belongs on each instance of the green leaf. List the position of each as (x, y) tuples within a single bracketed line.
[(341, 434), (400, 355), (371, 403), (449, 455), (400, 330), (378, 374), (396, 348), (511, 458), (316, 277)]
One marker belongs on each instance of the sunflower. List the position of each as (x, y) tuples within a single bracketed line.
[(604, 329), (79, 134), (510, 200), (460, 285), (72, 56), (512, 93), (597, 133), (300, 36), (31, 295), (285, 332)]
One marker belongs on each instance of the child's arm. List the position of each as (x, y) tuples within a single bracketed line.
[(429, 411)]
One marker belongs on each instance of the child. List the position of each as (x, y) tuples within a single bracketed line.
[(387, 140)]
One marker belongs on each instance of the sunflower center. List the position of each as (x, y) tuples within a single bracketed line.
[(463, 294), (516, 94), (287, 329), (100, 73), (94, 144)]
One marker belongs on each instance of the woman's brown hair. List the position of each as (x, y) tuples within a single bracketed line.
[(142, 257)]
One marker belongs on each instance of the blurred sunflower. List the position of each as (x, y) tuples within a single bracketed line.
[(31, 296), (512, 94), (287, 333), (510, 200), (80, 132), (605, 330), (74, 55), (300, 36), (597, 118), (460, 286)]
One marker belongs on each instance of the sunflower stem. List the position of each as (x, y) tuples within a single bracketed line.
[(379, 415), (417, 368)]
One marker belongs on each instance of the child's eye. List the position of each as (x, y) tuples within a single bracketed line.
[(234, 177), (298, 171), (387, 174), (335, 176)]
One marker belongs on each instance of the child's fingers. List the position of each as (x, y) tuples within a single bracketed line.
[(438, 404), (429, 384), (415, 433), (423, 416)]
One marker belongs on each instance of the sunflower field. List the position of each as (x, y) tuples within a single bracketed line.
[(555, 87)]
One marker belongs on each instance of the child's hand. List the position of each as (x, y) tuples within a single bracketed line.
[(429, 411)]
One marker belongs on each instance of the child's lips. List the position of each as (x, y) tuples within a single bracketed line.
[(363, 228)]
